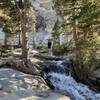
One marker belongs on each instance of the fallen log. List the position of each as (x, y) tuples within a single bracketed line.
[(25, 67), (20, 65)]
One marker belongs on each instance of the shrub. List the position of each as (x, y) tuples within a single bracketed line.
[(61, 50)]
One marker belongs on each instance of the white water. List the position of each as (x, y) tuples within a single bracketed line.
[(67, 85), (62, 83)]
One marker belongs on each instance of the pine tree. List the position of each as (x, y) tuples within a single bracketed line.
[(20, 20), (83, 17), (56, 34)]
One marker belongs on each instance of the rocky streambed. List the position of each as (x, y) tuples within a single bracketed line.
[(60, 74), (46, 73)]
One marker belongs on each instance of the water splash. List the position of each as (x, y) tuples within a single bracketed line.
[(68, 86)]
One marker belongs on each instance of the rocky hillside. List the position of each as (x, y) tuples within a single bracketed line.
[(46, 18)]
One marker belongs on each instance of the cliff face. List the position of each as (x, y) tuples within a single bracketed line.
[(46, 18)]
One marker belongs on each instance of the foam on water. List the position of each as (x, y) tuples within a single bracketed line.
[(67, 85)]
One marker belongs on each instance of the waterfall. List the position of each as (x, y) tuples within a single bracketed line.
[(66, 84)]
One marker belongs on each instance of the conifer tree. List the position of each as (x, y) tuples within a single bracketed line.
[(20, 20), (83, 18)]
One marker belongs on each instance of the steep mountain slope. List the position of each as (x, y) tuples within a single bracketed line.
[(46, 19)]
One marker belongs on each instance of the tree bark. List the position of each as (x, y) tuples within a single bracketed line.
[(24, 29), (24, 35), (78, 52)]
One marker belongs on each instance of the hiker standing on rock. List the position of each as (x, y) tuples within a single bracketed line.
[(50, 46)]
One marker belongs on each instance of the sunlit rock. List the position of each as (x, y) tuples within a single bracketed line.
[(12, 80)]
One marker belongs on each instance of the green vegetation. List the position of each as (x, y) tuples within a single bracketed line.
[(80, 21), (61, 50), (18, 18)]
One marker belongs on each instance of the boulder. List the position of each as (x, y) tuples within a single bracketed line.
[(19, 86), (2, 93), (12, 80)]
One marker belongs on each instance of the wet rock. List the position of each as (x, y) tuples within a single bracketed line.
[(45, 57), (61, 66)]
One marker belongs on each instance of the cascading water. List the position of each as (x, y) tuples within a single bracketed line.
[(66, 84), (59, 72)]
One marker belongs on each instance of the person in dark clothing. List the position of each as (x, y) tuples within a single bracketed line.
[(50, 44)]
